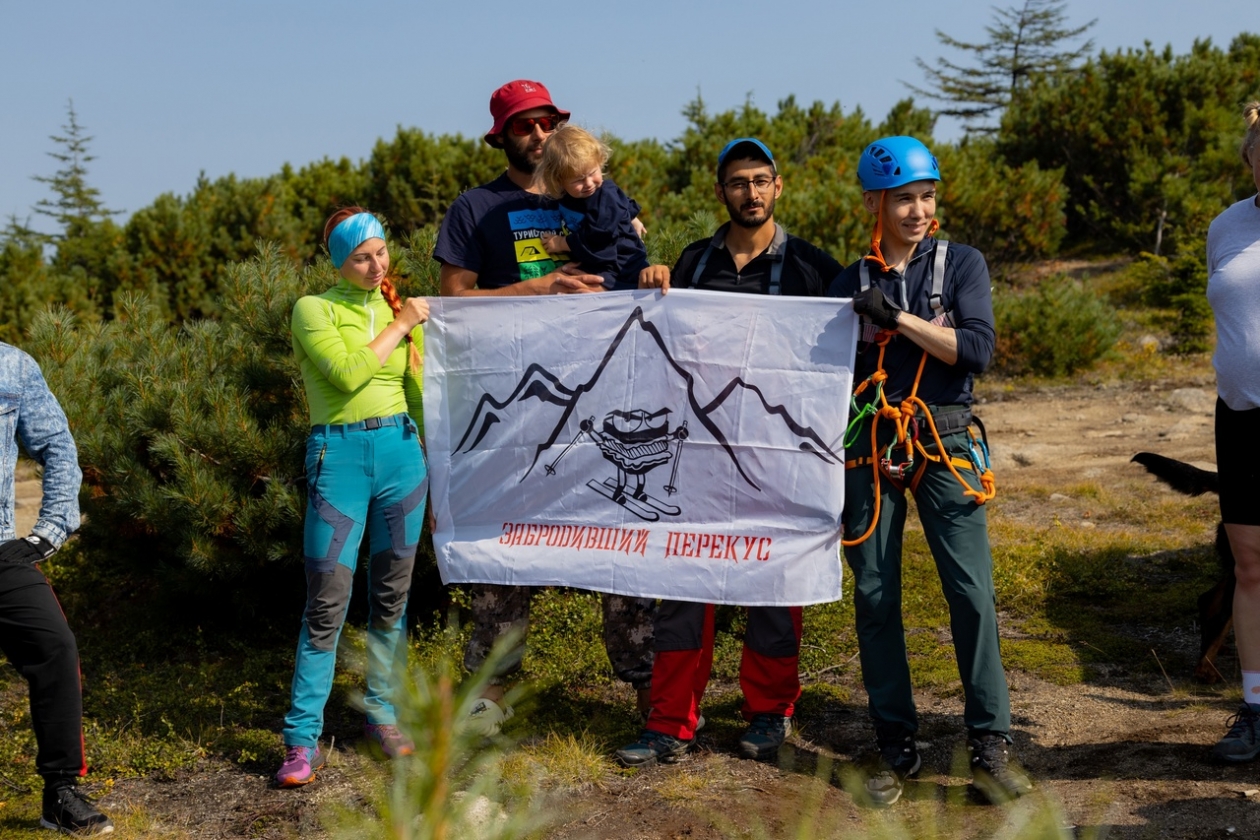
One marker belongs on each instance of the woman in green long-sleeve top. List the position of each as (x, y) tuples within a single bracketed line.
[(357, 345)]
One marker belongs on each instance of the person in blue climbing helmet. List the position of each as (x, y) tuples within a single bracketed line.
[(927, 324)]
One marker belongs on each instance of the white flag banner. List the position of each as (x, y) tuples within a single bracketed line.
[(685, 446)]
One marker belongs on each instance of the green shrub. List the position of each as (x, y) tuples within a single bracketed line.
[(1011, 213), (1056, 328), (1192, 330), (1178, 284), (190, 438), (453, 785)]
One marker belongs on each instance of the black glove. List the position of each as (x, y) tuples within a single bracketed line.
[(30, 550), (872, 303)]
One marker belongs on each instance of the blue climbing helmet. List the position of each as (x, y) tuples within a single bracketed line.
[(892, 161)]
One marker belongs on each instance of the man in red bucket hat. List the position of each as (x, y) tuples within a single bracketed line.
[(515, 98), (491, 243), (491, 238)]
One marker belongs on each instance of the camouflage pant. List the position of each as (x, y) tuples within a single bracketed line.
[(627, 630)]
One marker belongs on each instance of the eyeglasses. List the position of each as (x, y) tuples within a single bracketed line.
[(762, 184), (524, 126)]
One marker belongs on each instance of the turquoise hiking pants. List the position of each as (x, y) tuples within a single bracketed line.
[(367, 476), (957, 534)]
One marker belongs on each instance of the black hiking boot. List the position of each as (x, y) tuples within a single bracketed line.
[(67, 811), (765, 735), (994, 773), (898, 760), (651, 748)]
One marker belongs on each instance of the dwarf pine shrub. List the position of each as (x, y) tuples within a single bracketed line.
[(1177, 284), (190, 437), (1058, 327)]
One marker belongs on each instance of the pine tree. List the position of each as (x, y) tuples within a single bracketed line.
[(87, 239), (1024, 41), (77, 204)]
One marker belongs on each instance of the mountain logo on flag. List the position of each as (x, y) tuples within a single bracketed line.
[(637, 440)]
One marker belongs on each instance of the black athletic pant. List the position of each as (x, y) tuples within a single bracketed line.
[(38, 643)]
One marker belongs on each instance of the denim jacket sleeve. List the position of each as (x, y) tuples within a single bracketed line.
[(45, 434)]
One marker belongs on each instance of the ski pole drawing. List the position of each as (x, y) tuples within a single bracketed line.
[(682, 435), (551, 468)]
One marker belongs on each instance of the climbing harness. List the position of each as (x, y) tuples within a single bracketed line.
[(898, 462)]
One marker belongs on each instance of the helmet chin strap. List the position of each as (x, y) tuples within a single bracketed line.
[(877, 235)]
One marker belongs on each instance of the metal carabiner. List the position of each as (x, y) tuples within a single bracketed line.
[(895, 471)]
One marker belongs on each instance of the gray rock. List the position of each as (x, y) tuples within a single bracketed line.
[(1181, 430), (1193, 400)]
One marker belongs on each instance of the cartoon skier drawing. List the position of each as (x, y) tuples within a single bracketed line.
[(635, 442)]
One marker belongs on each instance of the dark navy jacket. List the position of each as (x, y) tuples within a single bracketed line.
[(966, 295), (601, 239)]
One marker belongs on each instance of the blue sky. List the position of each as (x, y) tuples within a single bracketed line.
[(172, 89)]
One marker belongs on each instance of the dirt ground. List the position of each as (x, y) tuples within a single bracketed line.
[(1126, 754)]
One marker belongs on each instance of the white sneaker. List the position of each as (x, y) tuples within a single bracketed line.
[(486, 717)]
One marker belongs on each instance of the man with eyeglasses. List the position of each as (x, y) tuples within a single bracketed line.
[(491, 243), (751, 254)]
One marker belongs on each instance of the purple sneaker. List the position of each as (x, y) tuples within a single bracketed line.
[(300, 764), (388, 737)]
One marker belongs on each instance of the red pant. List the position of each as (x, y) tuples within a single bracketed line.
[(684, 660)]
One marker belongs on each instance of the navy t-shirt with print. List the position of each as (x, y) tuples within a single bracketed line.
[(496, 230)]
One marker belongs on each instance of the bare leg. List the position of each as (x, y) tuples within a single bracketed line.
[(1244, 541)]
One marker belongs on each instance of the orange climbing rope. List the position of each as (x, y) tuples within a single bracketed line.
[(902, 417)]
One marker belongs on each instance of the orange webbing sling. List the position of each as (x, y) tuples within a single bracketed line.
[(907, 438)]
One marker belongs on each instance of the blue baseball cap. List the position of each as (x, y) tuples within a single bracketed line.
[(759, 150)]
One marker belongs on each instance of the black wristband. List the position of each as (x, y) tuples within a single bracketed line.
[(43, 546)]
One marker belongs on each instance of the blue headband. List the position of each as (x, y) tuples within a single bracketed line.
[(352, 233)]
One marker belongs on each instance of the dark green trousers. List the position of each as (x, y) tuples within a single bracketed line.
[(957, 533)]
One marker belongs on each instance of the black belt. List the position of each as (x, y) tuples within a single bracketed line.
[(949, 419)]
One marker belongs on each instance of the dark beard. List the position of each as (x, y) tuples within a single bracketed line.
[(738, 218), (518, 158)]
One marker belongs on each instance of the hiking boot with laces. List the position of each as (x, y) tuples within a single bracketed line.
[(300, 764), (993, 772), (898, 760), (390, 739), (765, 735), (1242, 741), (651, 748), (67, 811)]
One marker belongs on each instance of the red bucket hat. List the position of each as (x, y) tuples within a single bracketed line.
[(517, 96)]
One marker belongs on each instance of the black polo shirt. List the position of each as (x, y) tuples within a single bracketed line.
[(807, 270)]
